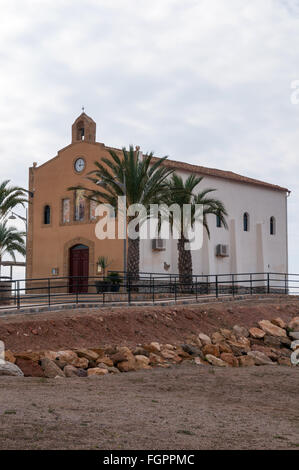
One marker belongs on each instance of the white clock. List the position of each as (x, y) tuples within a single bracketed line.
[(79, 164)]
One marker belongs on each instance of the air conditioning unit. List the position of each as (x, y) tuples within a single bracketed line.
[(158, 244), (222, 250)]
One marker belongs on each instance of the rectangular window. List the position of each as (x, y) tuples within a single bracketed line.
[(92, 207), (66, 209), (79, 205)]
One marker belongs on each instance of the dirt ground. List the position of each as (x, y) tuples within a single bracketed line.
[(185, 407), (132, 325)]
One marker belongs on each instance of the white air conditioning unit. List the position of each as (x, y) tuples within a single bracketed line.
[(158, 244), (222, 250)]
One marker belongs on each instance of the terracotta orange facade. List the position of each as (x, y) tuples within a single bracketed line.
[(61, 220)]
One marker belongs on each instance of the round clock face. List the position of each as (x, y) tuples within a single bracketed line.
[(79, 164)]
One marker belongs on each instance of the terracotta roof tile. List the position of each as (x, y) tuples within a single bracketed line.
[(228, 175)]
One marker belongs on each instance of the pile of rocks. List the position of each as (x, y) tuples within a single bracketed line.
[(269, 343)]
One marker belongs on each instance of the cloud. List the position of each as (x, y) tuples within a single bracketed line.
[(204, 81)]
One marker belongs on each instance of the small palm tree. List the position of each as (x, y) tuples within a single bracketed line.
[(180, 193), (141, 180), (11, 242), (10, 197)]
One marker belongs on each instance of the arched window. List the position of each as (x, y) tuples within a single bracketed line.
[(246, 222), (80, 131), (218, 221), (272, 226), (47, 215)]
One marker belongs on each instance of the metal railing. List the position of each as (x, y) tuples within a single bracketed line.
[(147, 287)]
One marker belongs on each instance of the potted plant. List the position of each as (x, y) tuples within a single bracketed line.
[(114, 281), (102, 285)]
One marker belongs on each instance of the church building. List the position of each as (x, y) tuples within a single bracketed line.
[(61, 237)]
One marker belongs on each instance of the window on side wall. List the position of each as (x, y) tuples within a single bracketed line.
[(246, 222), (47, 215)]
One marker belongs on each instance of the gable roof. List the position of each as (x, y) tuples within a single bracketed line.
[(228, 175)]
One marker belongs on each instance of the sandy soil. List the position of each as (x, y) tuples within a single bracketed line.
[(185, 407), (130, 326)]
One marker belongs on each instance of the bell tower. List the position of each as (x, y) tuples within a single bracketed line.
[(84, 129)]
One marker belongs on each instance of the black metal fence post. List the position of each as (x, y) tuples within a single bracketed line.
[(49, 292), (18, 294), (217, 292), (175, 293), (196, 288), (153, 290), (268, 283), (233, 285)]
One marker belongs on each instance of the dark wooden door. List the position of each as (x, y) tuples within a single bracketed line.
[(79, 261)]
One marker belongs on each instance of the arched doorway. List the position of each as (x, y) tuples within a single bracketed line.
[(79, 262)]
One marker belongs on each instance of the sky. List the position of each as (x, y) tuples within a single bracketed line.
[(207, 82)]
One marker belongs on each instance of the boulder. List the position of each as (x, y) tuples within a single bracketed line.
[(191, 350), (217, 338), (273, 341), (10, 369), (9, 357), (256, 333), (224, 348), (240, 331), (230, 359), (294, 324), (279, 322), (215, 361), (127, 366), (105, 360), (30, 368), (113, 370), (246, 361), (153, 347), (154, 359), (96, 371), (294, 335), (70, 371), (271, 329), (205, 339), (238, 348), (260, 359), (269, 352), (71, 358), (32, 355), (139, 350), (142, 362), (49, 355), (124, 354), (211, 349), (51, 369), (81, 372), (88, 354), (100, 365), (227, 334)]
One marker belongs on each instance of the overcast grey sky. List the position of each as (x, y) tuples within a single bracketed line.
[(203, 81)]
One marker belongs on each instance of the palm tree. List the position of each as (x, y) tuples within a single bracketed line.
[(141, 180), (182, 192), (11, 242), (10, 197)]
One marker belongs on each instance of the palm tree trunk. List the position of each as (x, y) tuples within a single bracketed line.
[(185, 264), (133, 258)]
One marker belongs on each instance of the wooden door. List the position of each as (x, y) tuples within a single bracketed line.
[(79, 262)]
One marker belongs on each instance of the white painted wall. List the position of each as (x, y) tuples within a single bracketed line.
[(253, 251)]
